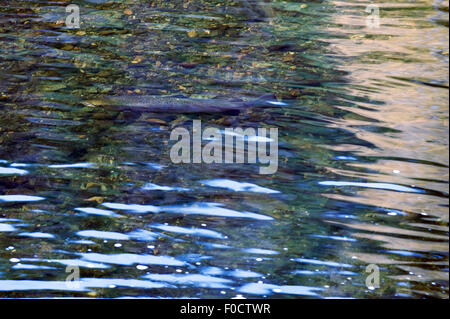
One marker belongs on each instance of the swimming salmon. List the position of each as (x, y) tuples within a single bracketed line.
[(161, 104)]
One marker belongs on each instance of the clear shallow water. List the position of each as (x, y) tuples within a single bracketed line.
[(363, 170)]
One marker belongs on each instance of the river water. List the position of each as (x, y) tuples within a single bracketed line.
[(362, 181)]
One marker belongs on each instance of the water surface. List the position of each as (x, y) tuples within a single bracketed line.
[(363, 144)]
